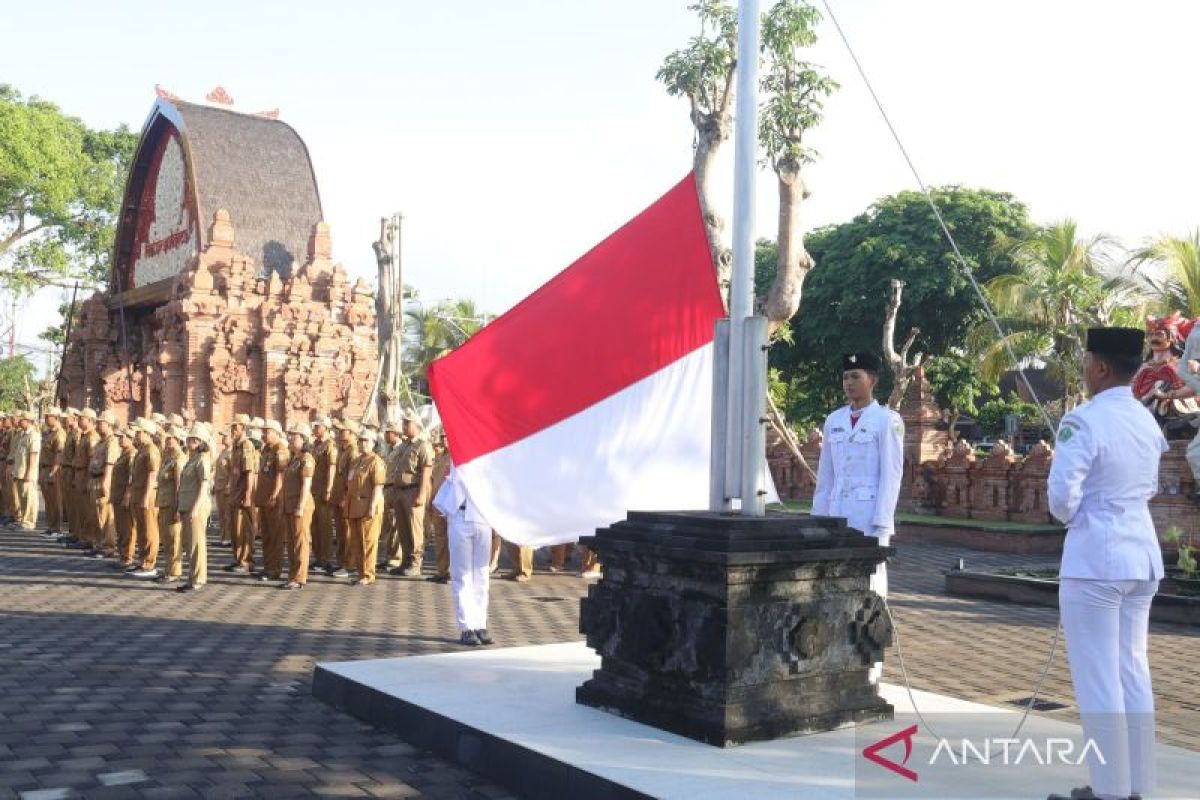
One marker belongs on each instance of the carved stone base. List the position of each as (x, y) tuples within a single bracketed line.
[(728, 629)]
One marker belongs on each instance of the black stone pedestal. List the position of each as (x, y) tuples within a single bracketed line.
[(731, 629)]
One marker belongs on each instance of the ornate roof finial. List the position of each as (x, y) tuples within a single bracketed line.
[(219, 95), (270, 114), (165, 94)]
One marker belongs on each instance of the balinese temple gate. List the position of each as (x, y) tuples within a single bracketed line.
[(223, 297)]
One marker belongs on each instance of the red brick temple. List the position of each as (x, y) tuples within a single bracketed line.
[(223, 296)]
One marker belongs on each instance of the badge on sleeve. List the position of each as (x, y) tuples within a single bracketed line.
[(1067, 431), (898, 428)]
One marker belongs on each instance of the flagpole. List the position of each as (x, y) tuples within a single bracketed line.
[(745, 457)]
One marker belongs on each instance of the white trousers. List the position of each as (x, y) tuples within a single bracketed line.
[(470, 559), (1107, 624), (879, 585)]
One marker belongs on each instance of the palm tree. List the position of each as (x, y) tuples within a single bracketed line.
[(1062, 285), (1178, 257), (430, 333)]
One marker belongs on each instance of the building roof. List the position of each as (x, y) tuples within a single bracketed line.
[(257, 169)]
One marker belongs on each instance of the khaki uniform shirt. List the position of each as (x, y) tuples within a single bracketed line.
[(195, 478), (53, 443), (147, 460), (120, 475), (168, 480), (25, 444), (67, 461), (415, 455), (325, 463), (5, 439), (273, 461), (365, 474), (300, 467), (243, 461), (220, 476), (83, 457), (346, 458)]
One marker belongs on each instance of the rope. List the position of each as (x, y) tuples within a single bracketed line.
[(987, 308)]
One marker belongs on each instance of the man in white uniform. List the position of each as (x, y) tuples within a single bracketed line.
[(1105, 472), (1188, 370), (862, 463), (470, 538)]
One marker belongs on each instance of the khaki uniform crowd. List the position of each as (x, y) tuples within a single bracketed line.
[(335, 496)]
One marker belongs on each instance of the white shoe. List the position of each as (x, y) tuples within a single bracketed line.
[(591, 575), (145, 573)]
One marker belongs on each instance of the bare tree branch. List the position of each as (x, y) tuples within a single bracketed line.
[(785, 433), (902, 369)]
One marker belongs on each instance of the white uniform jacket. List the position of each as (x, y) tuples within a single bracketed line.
[(454, 502), (1104, 473), (861, 468)]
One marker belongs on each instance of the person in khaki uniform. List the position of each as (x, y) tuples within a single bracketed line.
[(143, 498), (8, 506), (243, 462), (364, 506), (389, 536), (415, 482), (297, 507), (54, 440), (325, 456), (221, 487), (170, 529), (521, 560), (273, 460), (24, 456), (122, 520), (436, 520), (195, 504), (347, 454), (83, 459), (66, 476), (105, 453)]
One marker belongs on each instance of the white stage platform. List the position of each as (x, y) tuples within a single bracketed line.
[(510, 715)]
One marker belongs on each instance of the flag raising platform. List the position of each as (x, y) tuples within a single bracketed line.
[(510, 716)]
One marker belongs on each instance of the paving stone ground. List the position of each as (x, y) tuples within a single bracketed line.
[(111, 687)]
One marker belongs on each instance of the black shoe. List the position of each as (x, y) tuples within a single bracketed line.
[(187, 587), (482, 636), (396, 571), (469, 639), (290, 585), (1081, 793), (236, 568)]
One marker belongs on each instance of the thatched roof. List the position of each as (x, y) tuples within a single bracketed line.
[(1048, 388), (255, 168)]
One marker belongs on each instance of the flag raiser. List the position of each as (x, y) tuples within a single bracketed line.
[(592, 396)]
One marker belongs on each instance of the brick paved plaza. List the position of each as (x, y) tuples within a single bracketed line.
[(112, 687)]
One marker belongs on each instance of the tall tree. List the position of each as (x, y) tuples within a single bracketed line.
[(1177, 288), (1063, 283), (846, 293), (435, 331), (60, 192), (703, 72), (18, 382), (956, 382), (794, 92)]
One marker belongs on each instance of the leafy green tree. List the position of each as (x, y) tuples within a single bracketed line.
[(1178, 288), (794, 92), (897, 237), (431, 333), (992, 413), (18, 379), (956, 383), (60, 191), (1063, 283)]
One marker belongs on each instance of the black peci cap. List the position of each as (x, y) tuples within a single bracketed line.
[(1118, 342), (868, 361)]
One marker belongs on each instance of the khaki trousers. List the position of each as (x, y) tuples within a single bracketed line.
[(223, 516), (66, 478), (270, 521), (27, 503), (558, 555), (364, 537), (494, 563), (195, 531), (146, 522), (299, 544), (241, 534), (441, 543), (410, 520), (126, 535), (8, 495), (322, 533), (345, 545), (87, 513), (521, 559), (389, 535), (106, 527), (53, 504), (171, 531)]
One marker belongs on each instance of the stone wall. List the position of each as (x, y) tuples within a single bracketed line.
[(948, 480), (230, 340)]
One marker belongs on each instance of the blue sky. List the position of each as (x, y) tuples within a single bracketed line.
[(514, 136)]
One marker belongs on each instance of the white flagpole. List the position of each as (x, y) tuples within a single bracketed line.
[(744, 460)]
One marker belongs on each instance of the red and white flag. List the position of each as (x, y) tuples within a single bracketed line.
[(592, 396)]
